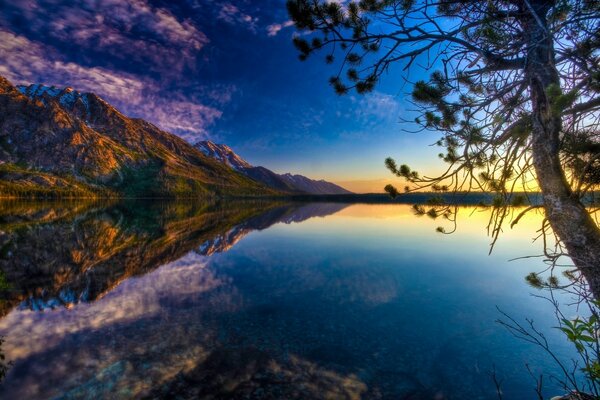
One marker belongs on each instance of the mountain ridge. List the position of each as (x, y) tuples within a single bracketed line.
[(287, 182)]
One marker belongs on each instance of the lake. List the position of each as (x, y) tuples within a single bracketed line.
[(263, 301)]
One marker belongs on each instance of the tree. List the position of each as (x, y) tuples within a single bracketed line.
[(514, 92)]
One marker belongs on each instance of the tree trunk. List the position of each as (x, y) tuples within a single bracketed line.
[(568, 217)]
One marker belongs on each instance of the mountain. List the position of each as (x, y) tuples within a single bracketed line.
[(312, 186), (222, 153), (61, 142), (281, 182)]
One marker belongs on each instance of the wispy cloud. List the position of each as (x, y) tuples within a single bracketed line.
[(377, 106), (188, 119), (26, 61), (231, 14), (129, 30), (273, 29)]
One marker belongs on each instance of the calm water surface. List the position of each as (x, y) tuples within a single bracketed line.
[(228, 301)]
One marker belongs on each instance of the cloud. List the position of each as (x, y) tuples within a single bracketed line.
[(378, 106), (233, 15), (128, 30), (26, 61), (188, 119), (273, 29), (375, 109)]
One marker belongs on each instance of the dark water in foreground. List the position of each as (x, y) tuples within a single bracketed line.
[(257, 301)]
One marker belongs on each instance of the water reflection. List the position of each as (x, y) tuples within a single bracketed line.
[(143, 300), (57, 255)]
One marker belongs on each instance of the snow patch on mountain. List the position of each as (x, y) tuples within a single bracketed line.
[(67, 97)]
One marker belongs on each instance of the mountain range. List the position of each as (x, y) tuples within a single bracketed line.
[(283, 182), (64, 143)]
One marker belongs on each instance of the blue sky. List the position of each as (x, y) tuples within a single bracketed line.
[(219, 70)]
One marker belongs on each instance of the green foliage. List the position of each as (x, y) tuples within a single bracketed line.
[(560, 101), (583, 333), (581, 152), (366, 85), (478, 99), (402, 171), (498, 202), (391, 190), (435, 201), (338, 86), (432, 213), (534, 280), (303, 47)]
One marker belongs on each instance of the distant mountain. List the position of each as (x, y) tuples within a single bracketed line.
[(222, 153), (61, 142), (283, 182), (312, 186)]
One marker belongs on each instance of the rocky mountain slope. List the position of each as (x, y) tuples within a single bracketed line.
[(282, 182), (63, 142)]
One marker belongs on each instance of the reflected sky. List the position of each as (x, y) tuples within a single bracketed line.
[(291, 301)]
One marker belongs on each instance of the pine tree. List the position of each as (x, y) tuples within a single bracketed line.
[(514, 91)]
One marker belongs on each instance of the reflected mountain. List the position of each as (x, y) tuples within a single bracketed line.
[(284, 214), (59, 254)]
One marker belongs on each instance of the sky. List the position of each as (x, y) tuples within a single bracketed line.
[(221, 70)]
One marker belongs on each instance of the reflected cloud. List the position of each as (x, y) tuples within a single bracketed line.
[(181, 278)]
